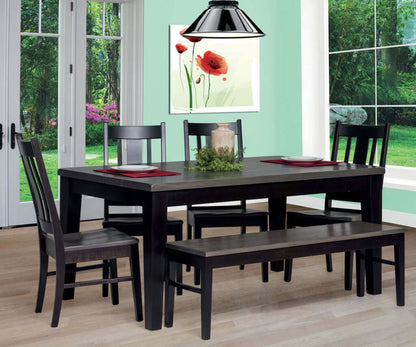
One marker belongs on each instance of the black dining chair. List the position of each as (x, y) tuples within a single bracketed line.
[(361, 147), (74, 247), (132, 223), (235, 215)]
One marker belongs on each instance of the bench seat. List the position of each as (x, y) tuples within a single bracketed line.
[(216, 252)]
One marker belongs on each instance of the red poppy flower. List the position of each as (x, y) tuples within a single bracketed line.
[(212, 63), (192, 39), (181, 48)]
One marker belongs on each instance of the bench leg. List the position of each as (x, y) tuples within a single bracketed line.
[(288, 270), (360, 270), (328, 258), (399, 271), (348, 270), (169, 293), (265, 272), (206, 303)]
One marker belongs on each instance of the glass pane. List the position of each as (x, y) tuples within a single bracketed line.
[(402, 140), (352, 78), (351, 24), (94, 18), (30, 16), (50, 16), (102, 95), (112, 19), (396, 22), (396, 76), (349, 115), (39, 102)]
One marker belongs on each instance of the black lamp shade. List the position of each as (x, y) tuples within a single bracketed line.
[(223, 19)]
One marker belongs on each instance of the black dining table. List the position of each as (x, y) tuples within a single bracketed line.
[(257, 180)]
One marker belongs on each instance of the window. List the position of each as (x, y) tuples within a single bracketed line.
[(39, 37), (103, 66), (372, 69)]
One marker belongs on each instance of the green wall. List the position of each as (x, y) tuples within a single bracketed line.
[(399, 200), (276, 129)]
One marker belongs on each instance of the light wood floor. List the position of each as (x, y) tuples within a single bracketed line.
[(312, 310)]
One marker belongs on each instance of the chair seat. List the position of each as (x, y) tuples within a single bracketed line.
[(102, 238), (317, 217)]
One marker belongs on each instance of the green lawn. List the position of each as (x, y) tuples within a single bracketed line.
[(401, 152)]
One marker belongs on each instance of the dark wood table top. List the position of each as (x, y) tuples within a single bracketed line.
[(254, 172)]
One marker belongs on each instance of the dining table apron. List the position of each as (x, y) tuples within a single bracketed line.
[(256, 180)]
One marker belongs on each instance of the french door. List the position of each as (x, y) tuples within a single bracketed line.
[(63, 61)]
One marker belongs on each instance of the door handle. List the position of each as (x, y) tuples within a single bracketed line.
[(13, 136), (1, 136)]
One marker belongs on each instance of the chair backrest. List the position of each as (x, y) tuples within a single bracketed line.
[(364, 139), (49, 225), (364, 135), (138, 133), (202, 131)]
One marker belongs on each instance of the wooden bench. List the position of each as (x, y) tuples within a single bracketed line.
[(216, 252)]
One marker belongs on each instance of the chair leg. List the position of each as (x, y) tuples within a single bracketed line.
[(137, 291), (169, 293), (349, 260), (288, 270), (206, 303), (70, 277), (59, 292), (243, 230), (179, 271), (44, 259), (360, 270), (114, 286), (197, 272), (328, 258), (189, 237), (106, 275), (399, 272)]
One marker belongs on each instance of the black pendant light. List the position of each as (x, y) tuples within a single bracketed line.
[(223, 19)]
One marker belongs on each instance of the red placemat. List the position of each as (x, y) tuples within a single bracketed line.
[(136, 174), (301, 163)]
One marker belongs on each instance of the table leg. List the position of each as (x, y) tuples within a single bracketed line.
[(70, 214), (277, 220), (371, 206), (154, 240)]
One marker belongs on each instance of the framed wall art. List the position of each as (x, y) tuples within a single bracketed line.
[(213, 75)]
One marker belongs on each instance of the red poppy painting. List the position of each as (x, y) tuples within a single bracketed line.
[(213, 75), (213, 64)]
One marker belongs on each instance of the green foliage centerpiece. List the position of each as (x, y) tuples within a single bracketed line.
[(210, 159)]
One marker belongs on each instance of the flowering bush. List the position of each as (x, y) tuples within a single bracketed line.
[(108, 114)]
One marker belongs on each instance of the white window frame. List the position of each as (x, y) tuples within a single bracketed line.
[(315, 92)]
